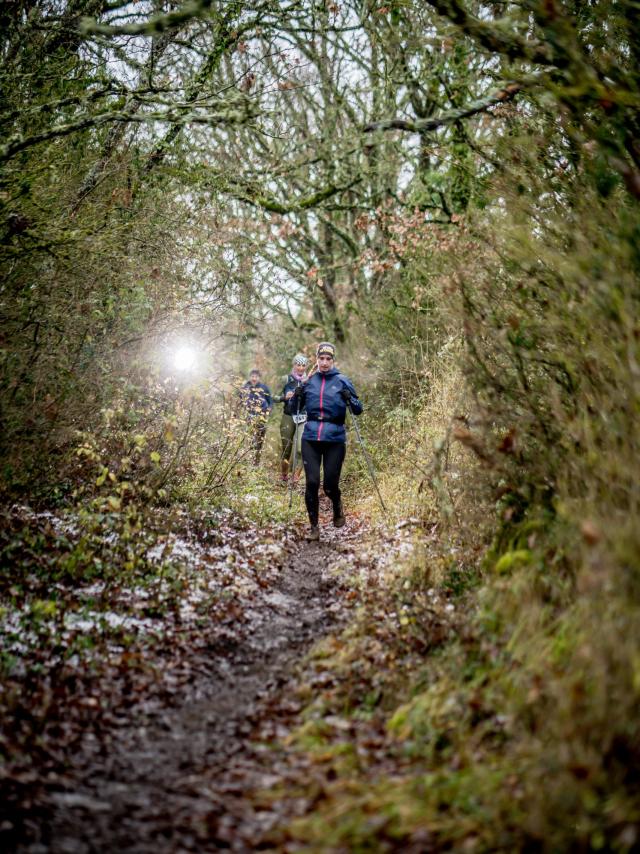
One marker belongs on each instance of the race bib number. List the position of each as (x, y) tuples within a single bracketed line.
[(300, 418)]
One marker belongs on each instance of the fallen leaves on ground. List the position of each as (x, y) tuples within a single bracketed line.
[(172, 707), (82, 658)]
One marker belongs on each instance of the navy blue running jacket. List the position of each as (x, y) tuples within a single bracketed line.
[(326, 410)]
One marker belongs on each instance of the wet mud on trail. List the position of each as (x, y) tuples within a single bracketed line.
[(172, 779)]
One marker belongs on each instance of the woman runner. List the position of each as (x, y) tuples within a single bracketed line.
[(287, 425), (325, 396)]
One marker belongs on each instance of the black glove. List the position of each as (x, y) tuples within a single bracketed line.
[(345, 394), (297, 394)]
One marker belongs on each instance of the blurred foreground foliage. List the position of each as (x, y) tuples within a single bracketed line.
[(507, 397)]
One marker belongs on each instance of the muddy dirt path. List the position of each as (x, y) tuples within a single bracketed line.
[(160, 783)]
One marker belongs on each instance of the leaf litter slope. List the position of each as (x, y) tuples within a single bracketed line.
[(141, 753)]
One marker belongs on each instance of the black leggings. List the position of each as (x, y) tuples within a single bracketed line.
[(331, 455)]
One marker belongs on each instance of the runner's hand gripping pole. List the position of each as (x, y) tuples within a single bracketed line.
[(365, 453)]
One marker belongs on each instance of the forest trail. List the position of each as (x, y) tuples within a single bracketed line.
[(166, 779), (449, 192)]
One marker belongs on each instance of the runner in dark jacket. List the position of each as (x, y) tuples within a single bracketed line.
[(325, 396), (257, 402)]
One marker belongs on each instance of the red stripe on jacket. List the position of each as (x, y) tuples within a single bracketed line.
[(324, 379)]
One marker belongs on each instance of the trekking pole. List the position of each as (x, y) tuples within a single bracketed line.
[(366, 456)]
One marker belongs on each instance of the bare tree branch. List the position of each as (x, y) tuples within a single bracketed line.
[(233, 115), (274, 206), (159, 23), (506, 93), (495, 36), (152, 26), (117, 131)]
